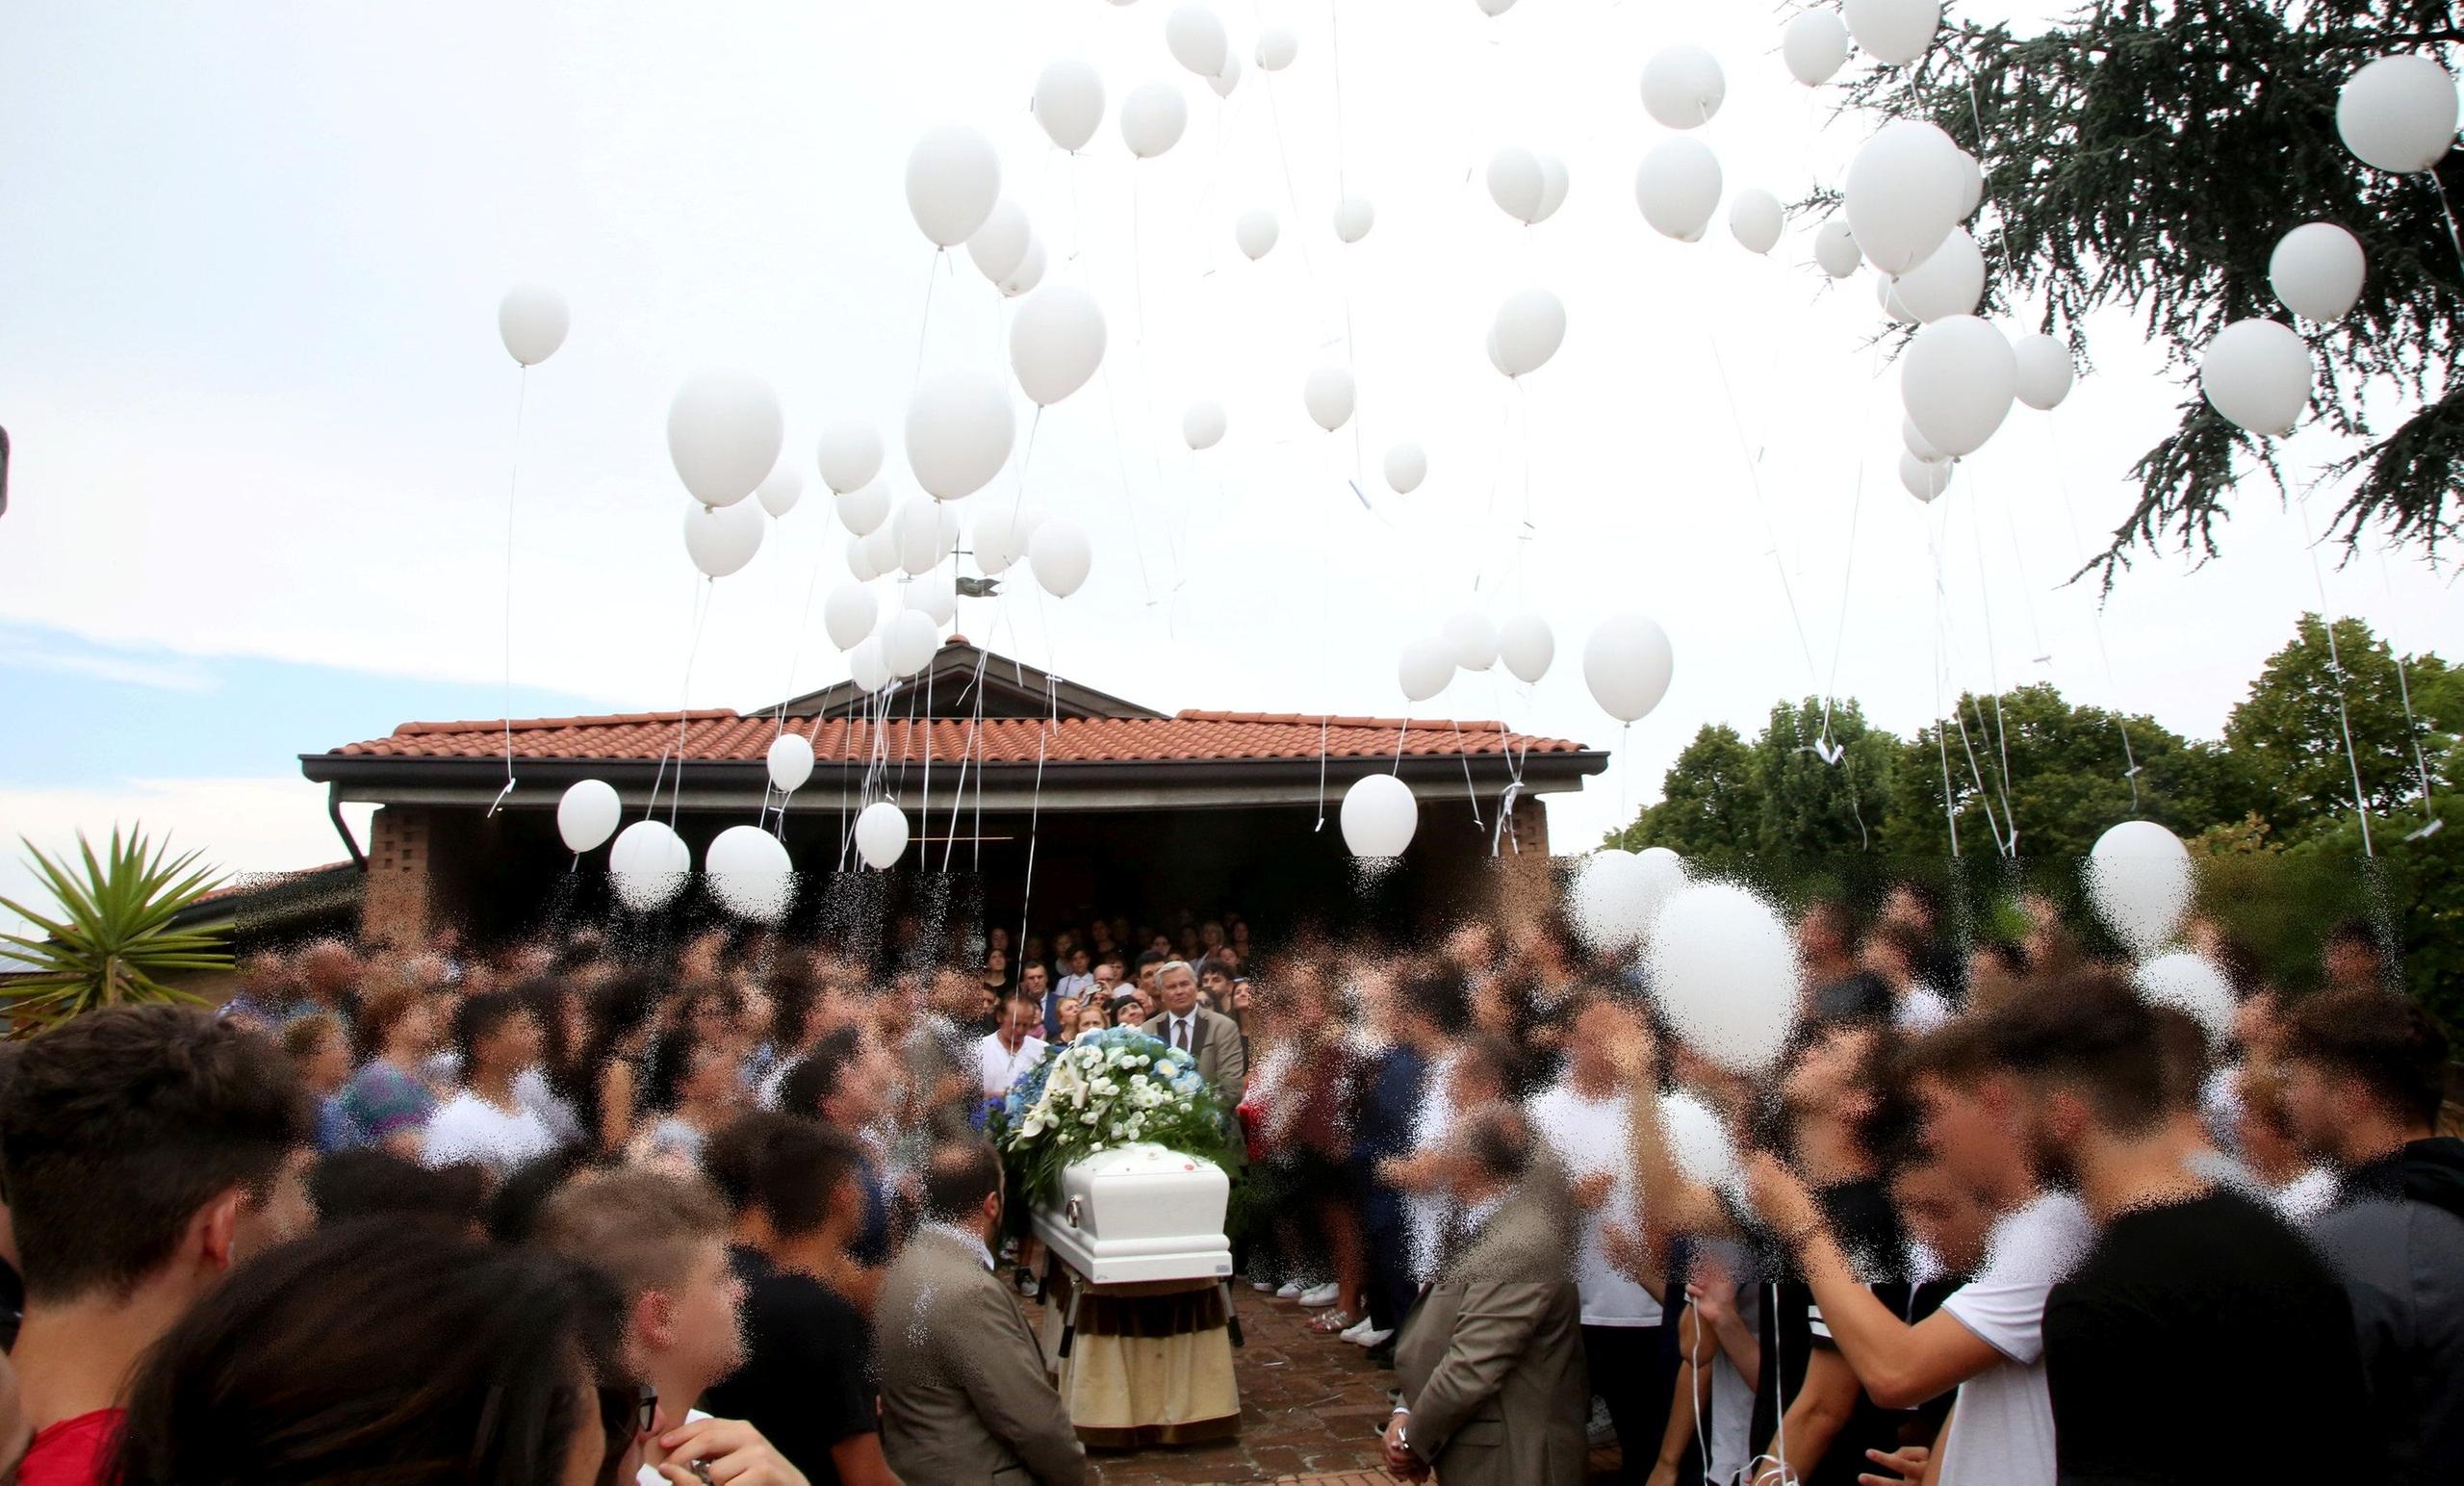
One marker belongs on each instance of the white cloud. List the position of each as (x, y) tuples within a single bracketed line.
[(161, 675)]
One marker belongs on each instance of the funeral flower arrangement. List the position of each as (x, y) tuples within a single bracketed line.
[(1105, 1089)]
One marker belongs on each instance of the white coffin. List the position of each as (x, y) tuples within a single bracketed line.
[(1139, 1213)]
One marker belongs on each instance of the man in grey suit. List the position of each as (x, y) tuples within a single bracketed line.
[(1210, 1036), (964, 1397), (1491, 1360)]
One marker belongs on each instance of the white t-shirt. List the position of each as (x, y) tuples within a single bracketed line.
[(467, 1128), (1424, 1213), (1923, 1009), (2001, 1431), (532, 1090), (1589, 1135), (999, 1068)]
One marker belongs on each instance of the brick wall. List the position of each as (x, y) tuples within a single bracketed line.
[(400, 905)]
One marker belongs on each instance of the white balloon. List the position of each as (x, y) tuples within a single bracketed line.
[(1202, 424), (849, 614), (587, 814), (2257, 373), (1834, 248), (1328, 394), (1060, 556), (1424, 668), (790, 761), (933, 595), (868, 667), (2192, 984), (908, 643), (953, 178), (1229, 78), (1918, 444), (1971, 178), (722, 539), (1000, 540), (1056, 343), (532, 320), (1902, 194), (1530, 326), (1925, 478), (1517, 182), (2139, 882), (925, 531), (1152, 117), (1627, 663), (880, 549), (1958, 378), (1814, 46), (850, 455), (1406, 466), (1069, 101), (2317, 270), (1887, 297), (1493, 9), (723, 435), (880, 836), (648, 866), (1256, 232), (860, 566), (1554, 181), (1277, 46), (779, 492), (863, 511), (1678, 187), (2043, 370), (1617, 895), (1723, 967), (1379, 816), (1472, 639), (1950, 281), (1194, 37), (960, 428), (749, 873), (1027, 274), (1893, 32), (1699, 1144), (1000, 245), (1353, 218), (1527, 646), (2398, 113), (1683, 85), (1755, 219)]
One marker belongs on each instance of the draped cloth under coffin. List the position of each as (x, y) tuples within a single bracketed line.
[(1146, 1364)]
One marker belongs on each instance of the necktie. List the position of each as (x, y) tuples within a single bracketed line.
[(1181, 1033)]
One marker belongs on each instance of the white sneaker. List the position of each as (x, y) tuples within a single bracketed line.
[(1359, 1337), (1356, 1330), (1263, 1286), (1289, 1289), (1323, 1296)]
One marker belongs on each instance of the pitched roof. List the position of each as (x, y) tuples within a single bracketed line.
[(720, 735), (966, 680)]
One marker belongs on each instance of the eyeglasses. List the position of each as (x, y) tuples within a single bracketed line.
[(627, 1409)]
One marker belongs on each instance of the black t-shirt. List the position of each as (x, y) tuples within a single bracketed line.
[(1858, 996), (2202, 1341), (806, 1382), (1868, 1228)]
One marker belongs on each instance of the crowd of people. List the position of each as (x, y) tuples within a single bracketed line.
[(561, 1211)]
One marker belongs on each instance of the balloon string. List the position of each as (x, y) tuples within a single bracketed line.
[(513, 487), (1941, 733), (1035, 808), (1753, 482), (1129, 501), (2447, 206), (2096, 616), (1464, 755), (1984, 790), (703, 596), (924, 331), (2336, 668), (1994, 674), (1848, 569), (2412, 725)]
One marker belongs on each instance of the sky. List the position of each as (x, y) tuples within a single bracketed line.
[(268, 496)]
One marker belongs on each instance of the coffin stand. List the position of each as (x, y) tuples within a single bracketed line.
[(1139, 1327)]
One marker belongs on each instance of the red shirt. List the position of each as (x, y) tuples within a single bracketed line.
[(73, 1451)]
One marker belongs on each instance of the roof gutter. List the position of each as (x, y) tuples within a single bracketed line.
[(342, 828)]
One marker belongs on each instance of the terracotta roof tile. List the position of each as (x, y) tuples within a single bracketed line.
[(722, 737)]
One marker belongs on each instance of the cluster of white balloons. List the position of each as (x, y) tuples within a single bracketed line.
[(1471, 641), (724, 429), (1958, 380)]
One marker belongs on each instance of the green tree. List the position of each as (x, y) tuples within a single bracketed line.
[(111, 938), (2069, 779), (2147, 154), (1710, 805), (2289, 733), (1815, 808)]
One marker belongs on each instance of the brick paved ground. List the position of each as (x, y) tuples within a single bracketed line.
[(1310, 1409)]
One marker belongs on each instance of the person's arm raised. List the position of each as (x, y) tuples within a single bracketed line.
[(1900, 1366)]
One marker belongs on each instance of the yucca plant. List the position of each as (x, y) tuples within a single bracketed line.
[(111, 937)]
